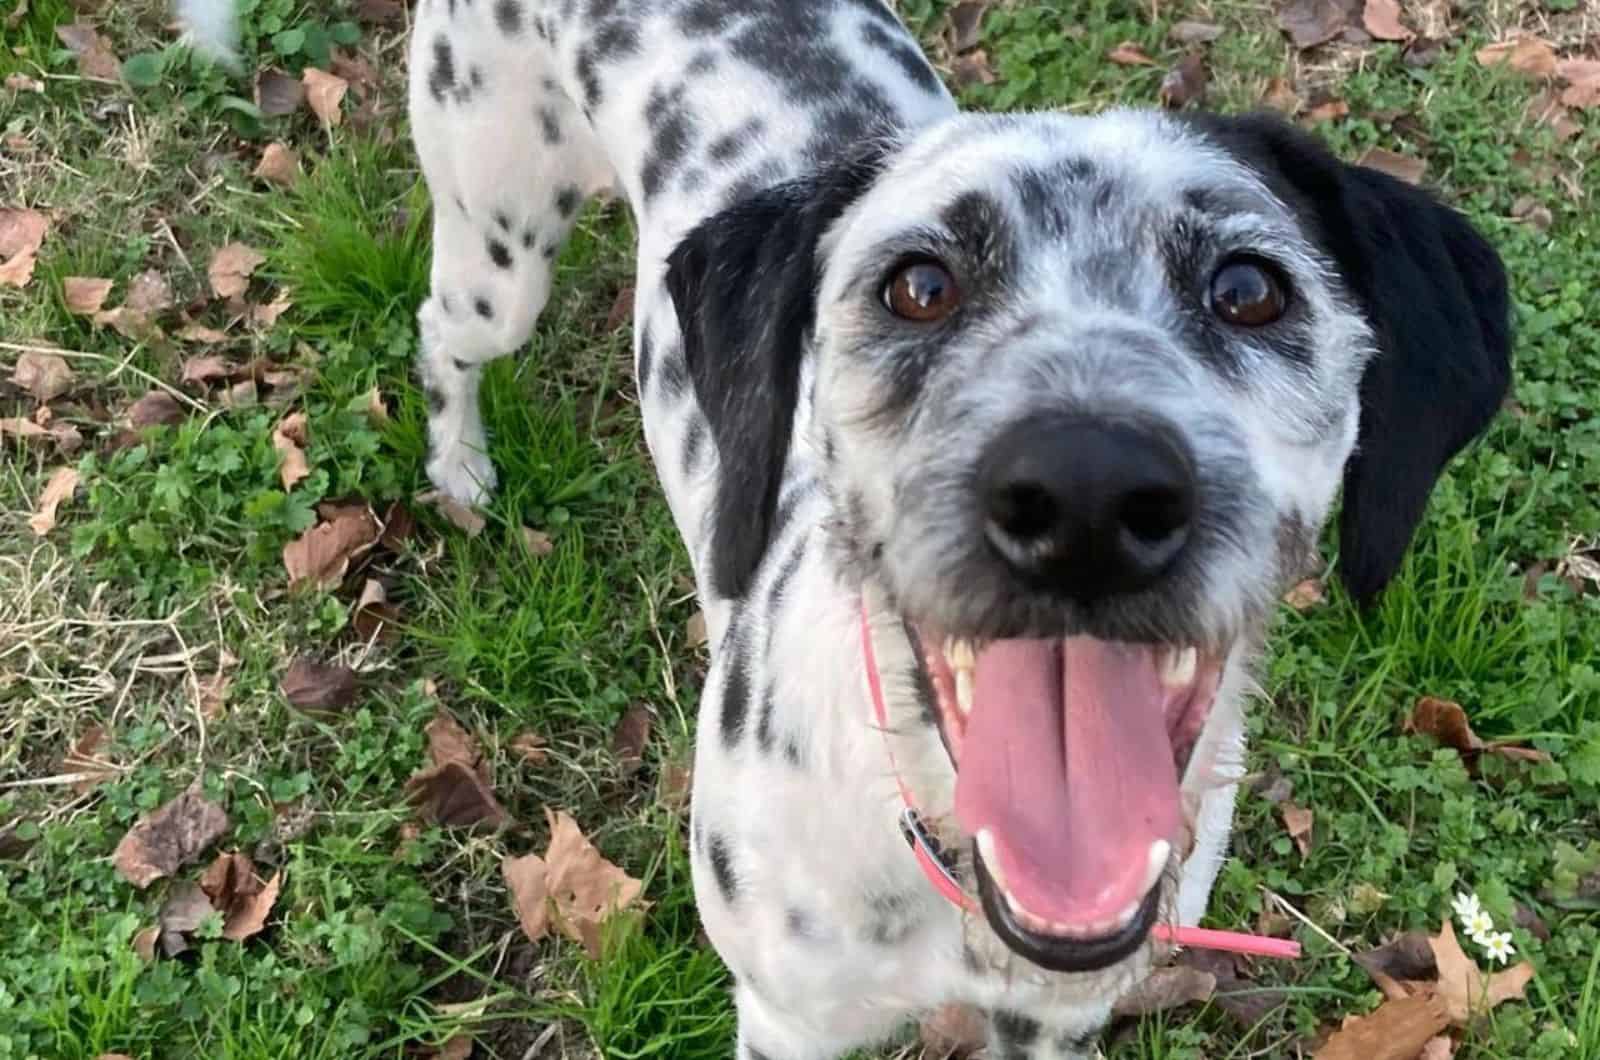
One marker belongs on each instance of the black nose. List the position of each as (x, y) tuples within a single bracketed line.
[(1087, 508)]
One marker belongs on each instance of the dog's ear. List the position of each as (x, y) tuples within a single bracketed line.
[(744, 284), (1434, 293)]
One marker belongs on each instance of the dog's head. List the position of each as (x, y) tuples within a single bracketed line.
[(1084, 391)]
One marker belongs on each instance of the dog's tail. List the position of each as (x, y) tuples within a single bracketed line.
[(213, 28)]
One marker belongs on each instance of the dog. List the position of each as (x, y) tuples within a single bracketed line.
[(993, 441)]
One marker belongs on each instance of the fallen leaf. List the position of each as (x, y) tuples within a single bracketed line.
[(572, 887), (695, 632), (454, 795), (972, 69), (277, 93), (66, 436), (1185, 83), (458, 1047), (629, 738), (1404, 958), (966, 25), (211, 694), (169, 838), (1129, 54), (149, 293), (1281, 96), (530, 747), (1246, 1002), (449, 742), (1525, 918), (537, 542), (85, 758), (1545, 108), (230, 269), (324, 91), (380, 12), (1530, 210), (239, 895), (1396, 1030), (289, 438), (44, 375), (84, 295), (193, 332), (22, 232), (1447, 723), (676, 785), (1465, 990), (398, 526), (319, 687), (1381, 18), (373, 613), (128, 322), (1329, 110), (621, 310), (156, 407), (1167, 987), (184, 910), (23, 83), (1312, 22), (264, 316), (1306, 595), (321, 556), (377, 411), (63, 483), (1526, 55), (1437, 1048), (461, 515), (1583, 82), (95, 57), (1187, 32), (1401, 167), (144, 944), (1297, 821), (954, 1029)]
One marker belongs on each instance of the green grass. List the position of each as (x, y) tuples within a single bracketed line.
[(385, 942)]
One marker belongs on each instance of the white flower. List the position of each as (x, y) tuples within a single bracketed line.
[(1479, 926), (1498, 947), (1466, 907)]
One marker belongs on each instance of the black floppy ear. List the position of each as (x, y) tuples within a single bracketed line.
[(1434, 293), (744, 285)]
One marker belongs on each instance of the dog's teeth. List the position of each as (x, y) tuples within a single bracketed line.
[(1160, 852), (991, 860), (1178, 666), (964, 691), (959, 654)]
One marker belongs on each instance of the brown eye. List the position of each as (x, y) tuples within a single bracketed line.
[(1248, 294), (924, 292)]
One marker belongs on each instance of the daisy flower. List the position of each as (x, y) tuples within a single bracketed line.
[(1466, 907), (1479, 927), (1498, 947)]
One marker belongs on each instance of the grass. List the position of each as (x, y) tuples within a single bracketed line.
[(388, 940)]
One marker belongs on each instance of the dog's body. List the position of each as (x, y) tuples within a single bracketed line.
[(963, 417)]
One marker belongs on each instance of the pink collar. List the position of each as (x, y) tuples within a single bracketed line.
[(926, 848)]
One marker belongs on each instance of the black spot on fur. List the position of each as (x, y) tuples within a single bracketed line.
[(894, 919), (721, 866), (475, 76), (927, 698), (500, 254), (550, 126), (727, 148), (791, 751), (752, 1053), (797, 922), (503, 220), (908, 58), (971, 961), (442, 75), (786, 572), (460, 204), (1078, 1043), (529, 238), (704, 62), (588, 78), (508, 16), (672, 128), (736, 689), (460, 365), (550, 251), (1014, 1033), (446, 304), (693, 440), (567, 200), (435, 398), (764, 719), (482, 307), (645, 362), (616, 41)]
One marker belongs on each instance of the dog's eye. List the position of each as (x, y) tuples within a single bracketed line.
[(923, 291), (1247, 293)]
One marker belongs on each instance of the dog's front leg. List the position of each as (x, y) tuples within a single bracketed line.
[(1015, 1036), (768, 1031)]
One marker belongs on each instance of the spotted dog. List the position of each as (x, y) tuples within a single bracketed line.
[(993, 440)]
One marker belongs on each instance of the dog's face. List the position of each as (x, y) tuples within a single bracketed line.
[(1085, 390)]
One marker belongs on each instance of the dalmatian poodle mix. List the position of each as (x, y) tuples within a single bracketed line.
[(993, 441)]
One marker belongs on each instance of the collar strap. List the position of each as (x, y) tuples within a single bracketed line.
[(930, 855)]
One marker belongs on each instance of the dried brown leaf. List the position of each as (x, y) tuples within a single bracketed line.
[(1313, 22), (621, 311), (530, 747), (972, 69), (324, 91), (156, 407), (1328, 110), (63, 483), (1129, 54), (85, 757), (537, 542), (461, 515), (44, 375), (1298, 821), (1404, 958), (454, 795), (289, 438), (377, 411), (1583, 82), (230, 269), (184, 910), (1465, 990), (373, 614), (84, 295), (192, 332), (1381, 18), (1396, 1030), (1185, 83), (66, 436), (321, 556), (277, 93), (239, 895), (966, 25), (695, 633), (144, 944), (169, 838), (954, 1029), (1401, 167), (1187, 32), (266, 315), (95, 57), (448, 741), (23, 83), (1439, 1047), (22, 232), (572, 887), (149, 293), (1447, 723), (1307, 594), (211, 694), (128, 322), (676, 785), (1167, 987), (630, 737), (1526, 55), (1281, 96), (319, 687)]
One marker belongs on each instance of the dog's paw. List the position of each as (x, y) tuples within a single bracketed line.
[(462, 473)]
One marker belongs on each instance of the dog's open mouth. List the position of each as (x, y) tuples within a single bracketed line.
[(1068, 757)]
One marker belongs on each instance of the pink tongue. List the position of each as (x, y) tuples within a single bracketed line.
[(1067, 761)]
